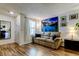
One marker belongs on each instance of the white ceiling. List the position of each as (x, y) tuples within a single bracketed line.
[(37, 10)]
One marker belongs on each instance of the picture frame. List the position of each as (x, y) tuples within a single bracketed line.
[(77, 26), (5, 30), (73, 16), (63, 21)]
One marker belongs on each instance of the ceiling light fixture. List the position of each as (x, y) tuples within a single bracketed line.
[(11, 12)]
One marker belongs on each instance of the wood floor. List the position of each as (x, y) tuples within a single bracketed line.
[(34, 50)]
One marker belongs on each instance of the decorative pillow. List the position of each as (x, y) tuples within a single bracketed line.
[(37, 35), (53, 37)]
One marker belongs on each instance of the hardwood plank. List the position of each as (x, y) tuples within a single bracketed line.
[(34, 50)]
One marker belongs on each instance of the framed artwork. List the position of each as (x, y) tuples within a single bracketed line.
[(5, 30), (50, 25), (73, 16), (63, 21), (77, 26)]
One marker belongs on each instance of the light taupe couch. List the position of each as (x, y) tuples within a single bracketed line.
[(55, 44)]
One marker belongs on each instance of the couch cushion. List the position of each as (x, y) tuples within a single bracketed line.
[(40, 38), (45, 39), (50, 40)]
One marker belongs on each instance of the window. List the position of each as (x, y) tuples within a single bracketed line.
[(32, 27)]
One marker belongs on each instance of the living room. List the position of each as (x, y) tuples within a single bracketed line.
[(39, 29)]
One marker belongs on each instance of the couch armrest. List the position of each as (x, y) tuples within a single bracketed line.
[(57, 42)]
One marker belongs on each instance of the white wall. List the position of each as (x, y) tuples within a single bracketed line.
[(19, 32), (22, 33), (17, 28), (28, 37), (10, 19), (66, 31)]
